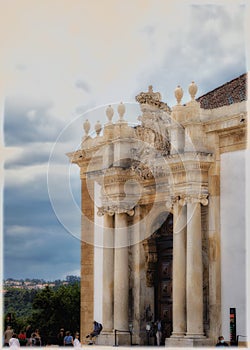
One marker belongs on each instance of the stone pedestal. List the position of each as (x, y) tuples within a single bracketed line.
[(188, 343), (106, 339)]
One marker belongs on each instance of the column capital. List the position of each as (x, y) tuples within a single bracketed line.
[(193, 198), (171, 201), (115, 209)]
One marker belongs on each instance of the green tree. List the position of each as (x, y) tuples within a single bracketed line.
[(18, 303), (56, 308)]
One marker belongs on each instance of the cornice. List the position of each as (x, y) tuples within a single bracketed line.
[(219, 125)]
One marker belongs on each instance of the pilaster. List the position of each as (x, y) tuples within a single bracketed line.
[(179, 270)]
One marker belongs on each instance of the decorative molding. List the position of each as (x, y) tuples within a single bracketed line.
[(150, 250), (193, 198), (115, 209), (153, 134)]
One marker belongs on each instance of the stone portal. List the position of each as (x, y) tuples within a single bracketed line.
[(160, 209)]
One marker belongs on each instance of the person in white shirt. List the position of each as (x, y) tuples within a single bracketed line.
[(77, 343), (14, 342)]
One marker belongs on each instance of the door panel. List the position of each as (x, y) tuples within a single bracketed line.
[(163, 289)]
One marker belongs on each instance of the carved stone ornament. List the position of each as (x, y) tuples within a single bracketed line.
[(150, 261), (142, 170), (178, 94), (115, 209), (155, 135), (152, 98), (171, 201), (194, 198)]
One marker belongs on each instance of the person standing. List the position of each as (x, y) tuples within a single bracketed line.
[(14, 342), (68, 339), (8, 335), (77, 343), (37, 337), (158, 332), (28, 335), (22, 338), (221, 341), (60, 337)]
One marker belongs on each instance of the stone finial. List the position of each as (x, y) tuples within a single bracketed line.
[(86, 127), (178, 92), (109, 113), (98, 128), (192, 89), (121, 110)]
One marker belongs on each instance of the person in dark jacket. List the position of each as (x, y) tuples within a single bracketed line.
[(221, 341), (60, 337)]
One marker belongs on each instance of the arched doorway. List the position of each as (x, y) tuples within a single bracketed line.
[(163, 285)]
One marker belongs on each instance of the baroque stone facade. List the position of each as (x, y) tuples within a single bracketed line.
[(160, 208)]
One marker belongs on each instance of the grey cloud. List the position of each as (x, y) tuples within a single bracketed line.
[(83, 85), (30, 203), (36, 244), (29, 156), (210, 51), (46, 258), (21, 67), (40, 153), (28, 121)]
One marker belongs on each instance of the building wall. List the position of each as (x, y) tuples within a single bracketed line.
[(233, 241)]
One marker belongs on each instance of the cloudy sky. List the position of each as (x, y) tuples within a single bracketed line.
[(65, 61)]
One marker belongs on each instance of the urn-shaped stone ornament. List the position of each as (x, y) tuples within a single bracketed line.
[(192, 89), (109, 113), (178, 92), (86, 126), (121, 110), (98, 128)]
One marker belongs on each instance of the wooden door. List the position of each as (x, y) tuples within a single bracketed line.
[(163, 290)]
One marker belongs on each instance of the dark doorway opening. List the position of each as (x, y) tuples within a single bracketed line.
[(163, 286)]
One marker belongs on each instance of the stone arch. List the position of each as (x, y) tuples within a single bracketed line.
[(156, 217)]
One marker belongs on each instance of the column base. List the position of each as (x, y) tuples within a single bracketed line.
[(106, 338), (188, 342), (177, 335), (195, 336)]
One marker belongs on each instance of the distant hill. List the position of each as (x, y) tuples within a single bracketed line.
[(35, 283)]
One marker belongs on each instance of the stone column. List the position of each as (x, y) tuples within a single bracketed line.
[(194, 270), (87, 258), (179, 270), (121, 281), (136, 283), (108, 273)]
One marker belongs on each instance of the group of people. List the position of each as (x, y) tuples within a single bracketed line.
[(30, 338), (24, 338), (66, 339)]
